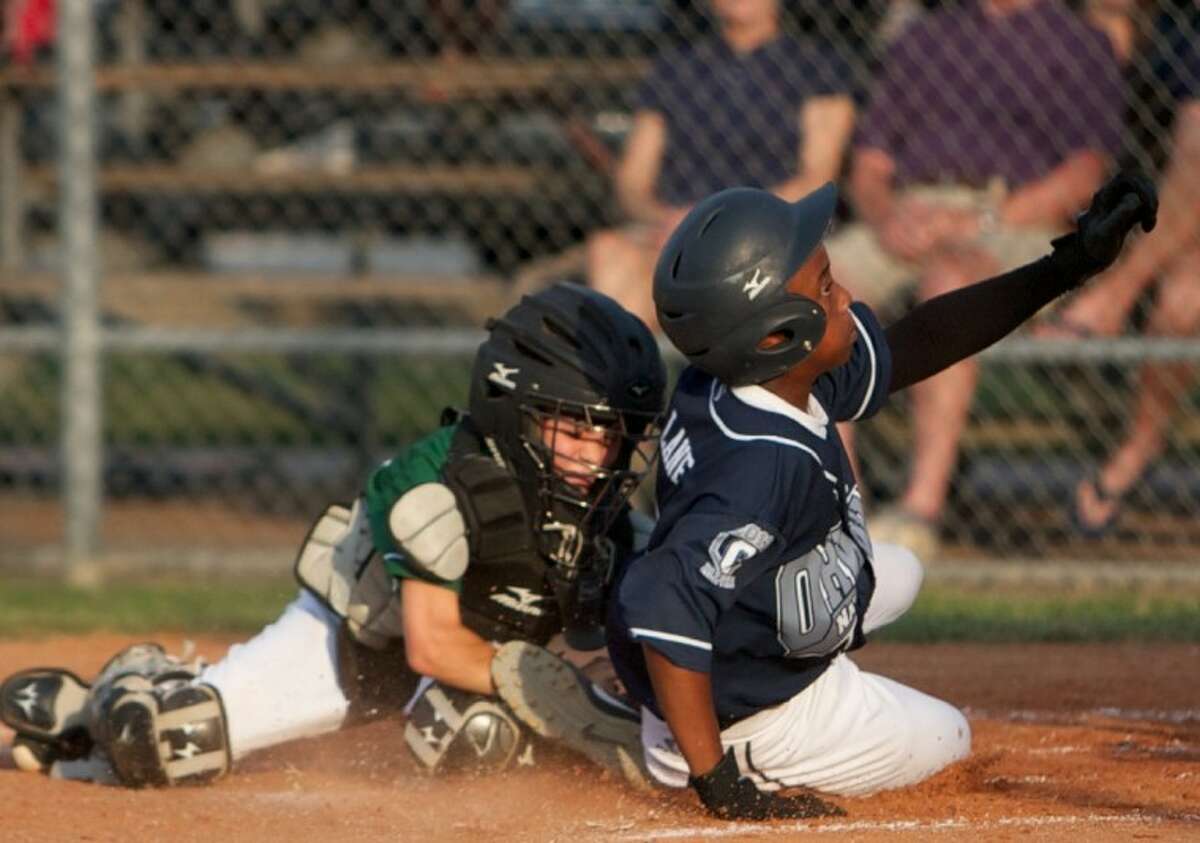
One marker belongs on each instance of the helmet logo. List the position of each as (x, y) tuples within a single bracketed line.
[(638, 389), (501, 375), (754, 285)]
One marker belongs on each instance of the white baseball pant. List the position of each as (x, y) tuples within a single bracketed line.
[(282, 684), (850, 733)]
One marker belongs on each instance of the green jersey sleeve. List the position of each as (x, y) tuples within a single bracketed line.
[(421, 462)]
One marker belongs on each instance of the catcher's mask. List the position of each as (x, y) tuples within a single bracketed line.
[(569, 388)]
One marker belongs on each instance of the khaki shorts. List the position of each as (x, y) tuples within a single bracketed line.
[(876, 276)]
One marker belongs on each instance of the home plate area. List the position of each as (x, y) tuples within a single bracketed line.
[(1092, 742)]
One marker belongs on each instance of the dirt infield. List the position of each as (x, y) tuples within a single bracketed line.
[(1078, 742)]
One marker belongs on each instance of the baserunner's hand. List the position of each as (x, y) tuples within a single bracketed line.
[(729, 795), (1128, 198)]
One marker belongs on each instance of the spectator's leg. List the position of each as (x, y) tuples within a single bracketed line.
[(941, 404), (1102, 307), (622, 267), (1161, 388)]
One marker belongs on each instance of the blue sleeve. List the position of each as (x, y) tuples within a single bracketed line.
[(672, 597), (859, 388)]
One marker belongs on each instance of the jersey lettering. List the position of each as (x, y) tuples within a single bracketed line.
[(856, 522), (730, 549), (803, 603), (676, 450), (806, 627), (845, 618)]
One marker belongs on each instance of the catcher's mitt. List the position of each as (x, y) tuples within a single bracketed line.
[(553, 699)]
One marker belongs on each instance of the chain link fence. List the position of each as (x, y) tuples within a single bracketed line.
[(305, 210)]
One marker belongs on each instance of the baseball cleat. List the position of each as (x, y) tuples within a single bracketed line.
[(45, 707), (43, 702), (550, 697)]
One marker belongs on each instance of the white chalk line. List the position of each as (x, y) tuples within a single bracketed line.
[(955, 824), (1076, 716), (1186, 715), (1048, 750)]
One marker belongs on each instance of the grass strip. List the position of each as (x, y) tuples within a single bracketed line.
[(31, 607), (949, 614), (38, 607)]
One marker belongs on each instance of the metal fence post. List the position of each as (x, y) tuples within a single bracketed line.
[(81, 399), (12, 202)]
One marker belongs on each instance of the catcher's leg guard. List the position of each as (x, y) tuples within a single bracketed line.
[(450, 730), (550, 697), (46, 708), (165, 734)]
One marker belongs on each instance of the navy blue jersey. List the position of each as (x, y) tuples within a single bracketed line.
[(758, 571)]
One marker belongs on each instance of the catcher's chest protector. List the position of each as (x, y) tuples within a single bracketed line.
[(513, 600), (506, 592)]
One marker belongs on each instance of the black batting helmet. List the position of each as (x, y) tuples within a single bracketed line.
[(720, 286), (570, 353)]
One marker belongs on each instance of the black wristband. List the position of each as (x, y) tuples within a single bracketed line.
[(1072, 265)]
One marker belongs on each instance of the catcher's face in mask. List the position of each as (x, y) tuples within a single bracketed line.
[(581, 451)]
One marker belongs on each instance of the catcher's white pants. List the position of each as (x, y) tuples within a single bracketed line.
[(282, 684), (849, 733)]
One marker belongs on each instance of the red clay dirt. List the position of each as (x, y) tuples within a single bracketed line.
[(1072, 742)]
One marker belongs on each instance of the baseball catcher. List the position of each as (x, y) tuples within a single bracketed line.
[(731, 630), (503, 525)]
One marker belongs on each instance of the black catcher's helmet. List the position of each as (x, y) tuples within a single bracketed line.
[(570, 358), (720, 286)]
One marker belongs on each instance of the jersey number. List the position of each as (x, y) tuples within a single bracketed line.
[(815, 598)]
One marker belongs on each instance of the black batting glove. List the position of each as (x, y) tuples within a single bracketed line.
[(1128, 198), (729, 795)]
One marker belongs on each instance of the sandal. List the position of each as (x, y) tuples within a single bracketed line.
[(1096, 531)]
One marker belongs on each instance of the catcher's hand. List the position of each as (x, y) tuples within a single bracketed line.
[(1128, 198), (731, 796)]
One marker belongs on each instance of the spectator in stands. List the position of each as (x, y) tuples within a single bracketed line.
[(747, 106), (1170, 259), (28, 27), (990, 125)]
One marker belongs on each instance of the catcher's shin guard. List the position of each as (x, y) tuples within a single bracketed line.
[(46, 708), (164, 734), (551, 697)]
